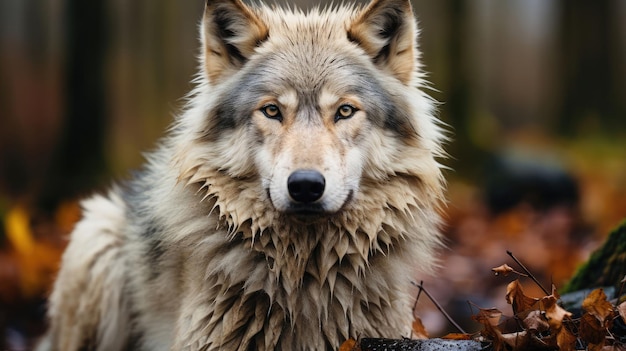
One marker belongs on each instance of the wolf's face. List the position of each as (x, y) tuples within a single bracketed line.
[(311, 104), (309, 154)]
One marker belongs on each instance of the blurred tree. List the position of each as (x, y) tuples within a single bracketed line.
[(79, 159), (591, 98), (458, 108)]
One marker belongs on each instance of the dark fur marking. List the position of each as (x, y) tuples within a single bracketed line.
[(134, 197), (223, 21), (391, 29), (135, 337), (238, 102), (390, 21), (382, 107), (220, 120), (134, 342)]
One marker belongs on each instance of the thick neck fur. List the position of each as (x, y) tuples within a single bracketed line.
[(308, 281)]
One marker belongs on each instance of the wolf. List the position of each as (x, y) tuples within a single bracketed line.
[(287, 208)]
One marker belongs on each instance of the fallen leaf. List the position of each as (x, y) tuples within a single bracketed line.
[(515, 297), (489, 316), (565, 340), (350, 345), (554, 316), (518, 341), (597, 305), (591, 329), (535, 322), (419, 331), (554, 313), (457, 336), (504, 269)]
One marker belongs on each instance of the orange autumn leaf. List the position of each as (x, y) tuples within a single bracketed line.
[(419, 331), (597, 305), (350, 345), (555, 314), (565, 340), (504, 269), (515, 297)]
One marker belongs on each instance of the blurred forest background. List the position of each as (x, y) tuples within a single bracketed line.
[(533, 91)]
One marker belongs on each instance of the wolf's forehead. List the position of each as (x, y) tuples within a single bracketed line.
[(303, 74), (309, 52), (329, 23)]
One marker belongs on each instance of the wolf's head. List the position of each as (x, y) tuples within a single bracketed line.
[(315, 108)]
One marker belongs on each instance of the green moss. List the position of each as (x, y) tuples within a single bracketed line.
[(605, 267)]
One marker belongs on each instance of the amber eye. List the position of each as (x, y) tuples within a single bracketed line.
[(345, 112), (271, 111)]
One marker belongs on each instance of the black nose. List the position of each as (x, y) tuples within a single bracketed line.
[(306, 186)]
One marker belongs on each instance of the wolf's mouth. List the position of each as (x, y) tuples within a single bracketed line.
[(316, 209), (306, 210), (310, 210)]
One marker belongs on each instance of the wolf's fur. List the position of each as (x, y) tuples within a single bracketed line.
[(207, 249)]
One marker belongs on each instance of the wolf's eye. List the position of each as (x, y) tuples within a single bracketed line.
[(271, 111), (345, 112)]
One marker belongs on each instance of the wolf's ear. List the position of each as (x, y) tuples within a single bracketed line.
[(386, 30), (230, 33)]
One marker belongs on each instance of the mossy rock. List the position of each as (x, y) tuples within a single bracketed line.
[(605, 267)]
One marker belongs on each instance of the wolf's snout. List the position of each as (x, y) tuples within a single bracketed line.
[(306, 186)]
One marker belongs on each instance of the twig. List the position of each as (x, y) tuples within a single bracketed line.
[(445, 314), (419, 293), (527, 272)]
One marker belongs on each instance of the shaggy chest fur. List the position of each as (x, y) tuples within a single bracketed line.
[(263, 282)]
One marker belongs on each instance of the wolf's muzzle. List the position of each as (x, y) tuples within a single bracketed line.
[(306, 186)]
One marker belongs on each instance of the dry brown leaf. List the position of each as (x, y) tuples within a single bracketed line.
[(419, 331), (555, 293), (497, 343), (597, 305), (518, 341), (457, 336), (350, 345), (489, 316), (485, 316), (554, 316), (535, 322), (554, 313), (515, 297), (591, 329), (504, 269), (565, 340)]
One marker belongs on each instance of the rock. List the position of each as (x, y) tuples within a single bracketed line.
[(419, 345)]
